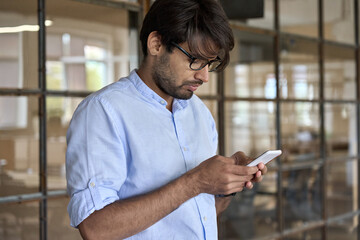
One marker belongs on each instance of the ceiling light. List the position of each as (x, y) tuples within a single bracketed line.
[(24, 28)]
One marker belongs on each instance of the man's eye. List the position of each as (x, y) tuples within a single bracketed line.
[(197, 63)]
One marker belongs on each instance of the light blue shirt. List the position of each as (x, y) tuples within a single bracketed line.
[(123, 142)]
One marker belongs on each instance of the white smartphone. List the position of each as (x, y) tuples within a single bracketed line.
[(265, 157)]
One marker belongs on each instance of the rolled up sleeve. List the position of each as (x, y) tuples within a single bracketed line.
[(95, 160)]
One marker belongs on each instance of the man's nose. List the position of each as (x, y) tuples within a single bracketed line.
[(203, 74)]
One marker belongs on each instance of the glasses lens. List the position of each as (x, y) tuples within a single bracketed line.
[(198, 65), (214, 65)]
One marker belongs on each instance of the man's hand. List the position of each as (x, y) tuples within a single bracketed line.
[(222, 175), (242, 159)]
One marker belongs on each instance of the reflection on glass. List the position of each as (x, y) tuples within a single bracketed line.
[(250, 127), (250, 215), (299, 69), (341, 188), (59, 113), (310, 234), (299, 17), (300, 132), (251, 70), (59, 222), (19, 221), (88, 47), (18, 44), (19, 145), (345, 229), (339, 64), (253, 213), (340, 130), (302, 196), (339, 20)]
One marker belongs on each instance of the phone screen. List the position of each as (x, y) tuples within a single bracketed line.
[(265, 157)]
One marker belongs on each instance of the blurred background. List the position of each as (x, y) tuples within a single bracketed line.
[(292, 84)]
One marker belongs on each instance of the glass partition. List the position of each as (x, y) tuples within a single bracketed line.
[(341, 188), (251, 70), (300, 132), (299, 69), (302, 196), (345, 229), (19, 145), (212, 106), (307, 234), (299, 17), (88, 45), (59, 222), (339, 64), (59, 114), (340, 130), (250, 215), (19, 221), (250, 127), (209, 88), (339, 21), (19, 45)]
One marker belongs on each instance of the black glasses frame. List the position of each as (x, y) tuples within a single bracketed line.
[(193, 59)]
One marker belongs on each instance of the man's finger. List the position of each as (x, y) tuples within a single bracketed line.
[(243, 170), (249, 185), (241, 158)]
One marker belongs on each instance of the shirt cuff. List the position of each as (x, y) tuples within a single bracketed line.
[(85, 202)]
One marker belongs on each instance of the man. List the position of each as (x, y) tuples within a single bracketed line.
[(141, 158)]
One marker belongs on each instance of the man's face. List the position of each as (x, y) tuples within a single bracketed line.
[(173, 76)]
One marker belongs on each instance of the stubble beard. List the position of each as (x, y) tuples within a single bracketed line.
[(165, 79)]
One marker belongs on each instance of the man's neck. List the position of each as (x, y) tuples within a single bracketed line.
[(144, 72)]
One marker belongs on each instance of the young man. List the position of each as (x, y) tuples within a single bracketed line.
[(141, 157)]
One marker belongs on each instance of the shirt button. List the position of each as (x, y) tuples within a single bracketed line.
[(92, 184), (185, 149), (162, 102), (205, 218)]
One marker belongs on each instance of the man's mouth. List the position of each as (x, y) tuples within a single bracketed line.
[(193, 86)]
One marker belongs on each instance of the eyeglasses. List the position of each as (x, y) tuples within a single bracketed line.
[(198, 64)]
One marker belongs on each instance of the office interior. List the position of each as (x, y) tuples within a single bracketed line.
[(292, 84)]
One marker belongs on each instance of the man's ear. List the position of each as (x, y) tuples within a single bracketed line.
[(154, 44)]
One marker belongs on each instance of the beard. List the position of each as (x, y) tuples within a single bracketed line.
[(165, 80)]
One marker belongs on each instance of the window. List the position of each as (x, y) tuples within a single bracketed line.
[(293, 87), (87, 47)]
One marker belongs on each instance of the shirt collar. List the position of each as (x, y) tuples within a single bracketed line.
[(149, 93)]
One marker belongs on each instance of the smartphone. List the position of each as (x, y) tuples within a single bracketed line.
[(265, 157)]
